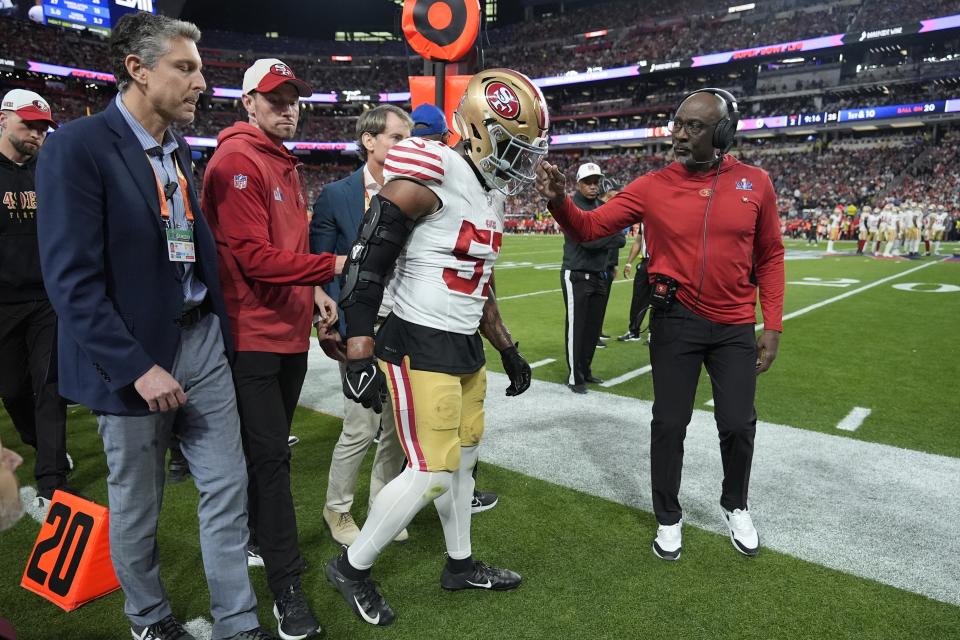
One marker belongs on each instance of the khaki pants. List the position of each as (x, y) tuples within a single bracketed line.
[(360, 427)]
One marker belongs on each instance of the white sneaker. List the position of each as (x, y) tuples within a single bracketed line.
[(666, 545), (743, 534)]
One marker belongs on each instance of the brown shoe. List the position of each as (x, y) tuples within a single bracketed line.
[(342, 527)]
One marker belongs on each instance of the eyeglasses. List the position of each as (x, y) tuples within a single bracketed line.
[(693, 127)]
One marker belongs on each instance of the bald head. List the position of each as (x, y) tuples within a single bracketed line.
[(693, 127), (708, 107)]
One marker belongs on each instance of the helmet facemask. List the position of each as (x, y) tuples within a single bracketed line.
[(513, 160)]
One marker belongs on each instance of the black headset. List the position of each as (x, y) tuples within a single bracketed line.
[(723, 134), (726, 129)]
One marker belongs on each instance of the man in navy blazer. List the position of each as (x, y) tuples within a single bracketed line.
[(130, 267), (334, 228)]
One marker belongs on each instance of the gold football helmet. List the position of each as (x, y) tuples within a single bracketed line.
[(503, 121)]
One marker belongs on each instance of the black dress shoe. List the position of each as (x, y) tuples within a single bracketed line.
[(577, 388), (593, 379)]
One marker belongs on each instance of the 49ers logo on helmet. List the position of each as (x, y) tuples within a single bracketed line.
[(281, 70), (503, 100)]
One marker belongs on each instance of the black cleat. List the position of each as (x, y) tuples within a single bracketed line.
[(592, 379), (167, 629), (483, 501), (295, 621), (362, 595), (578, 388), (483, 576)]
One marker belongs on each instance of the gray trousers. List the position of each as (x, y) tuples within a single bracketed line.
[(359, 429), (208, 428)]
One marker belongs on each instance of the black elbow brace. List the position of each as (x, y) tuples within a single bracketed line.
[(383, 234)]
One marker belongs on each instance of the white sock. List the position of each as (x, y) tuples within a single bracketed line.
[(392, 511), (916, 245), (936, 246), (829, 246), (889, 249), (454, 505)]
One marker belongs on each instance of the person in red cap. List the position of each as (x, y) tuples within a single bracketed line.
[(254, 200), (28, 324)]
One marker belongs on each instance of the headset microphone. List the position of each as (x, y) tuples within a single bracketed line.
[(723, 134)]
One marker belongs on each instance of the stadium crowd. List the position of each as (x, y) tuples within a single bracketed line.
[(655, 36)]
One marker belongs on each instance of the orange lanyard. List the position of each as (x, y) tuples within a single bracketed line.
[(164, 205)]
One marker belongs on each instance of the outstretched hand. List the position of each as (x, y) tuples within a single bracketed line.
[(551, 182)]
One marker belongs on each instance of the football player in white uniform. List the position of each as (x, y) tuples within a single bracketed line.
[(937, 229), (833, 227), (438, 223), (888, 229)]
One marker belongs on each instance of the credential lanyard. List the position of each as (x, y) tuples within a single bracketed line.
[(184, 190)]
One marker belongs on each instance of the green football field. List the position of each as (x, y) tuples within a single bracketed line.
[(859, 333)]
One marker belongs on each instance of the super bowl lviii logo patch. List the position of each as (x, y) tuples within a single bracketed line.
[(239, 181), (744, 185), (503, 100)]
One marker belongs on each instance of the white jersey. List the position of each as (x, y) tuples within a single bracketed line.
[(940, 221), (908, 219), (887, 219), (442, 275), (835, 220), (872, 220)]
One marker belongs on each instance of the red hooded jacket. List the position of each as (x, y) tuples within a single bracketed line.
[(253, 199), (741, 240)]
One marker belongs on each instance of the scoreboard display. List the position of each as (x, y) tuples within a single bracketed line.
[(97, 16)]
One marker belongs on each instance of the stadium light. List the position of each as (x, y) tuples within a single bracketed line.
[(742, 7)]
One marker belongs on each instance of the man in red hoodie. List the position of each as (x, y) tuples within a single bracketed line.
[(253, 198), (713, 234)]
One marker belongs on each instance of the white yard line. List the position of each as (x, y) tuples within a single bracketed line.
[(199, 628), (853, 292), (540, 363), (540, 293), (854, 419), (630, 375)]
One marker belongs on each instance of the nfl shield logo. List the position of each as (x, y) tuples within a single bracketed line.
[(744, 185), (240, 181)]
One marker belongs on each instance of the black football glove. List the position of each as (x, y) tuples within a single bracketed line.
[(517, 370), (365, 383)]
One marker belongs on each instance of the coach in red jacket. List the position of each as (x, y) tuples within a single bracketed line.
[(714, 236), (254, 201)]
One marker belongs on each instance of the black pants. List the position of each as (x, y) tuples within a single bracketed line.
[(681, 342), (607, 285), (268, 387), (28, 334), (585, 299), (640, 301)]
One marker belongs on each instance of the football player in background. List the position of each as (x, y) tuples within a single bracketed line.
[(438, 221), (888, 229), (833, 227), (863, 231), (937, 229)]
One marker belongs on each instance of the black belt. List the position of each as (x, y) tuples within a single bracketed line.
[(194, 315)]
